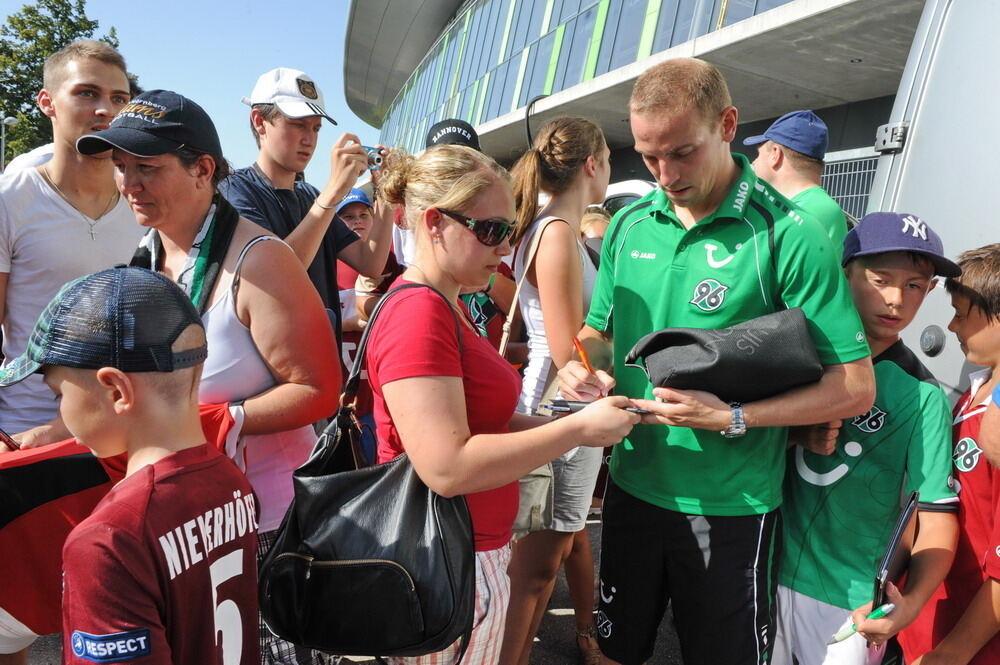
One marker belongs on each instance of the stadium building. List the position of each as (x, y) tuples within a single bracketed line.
[(409, 64)]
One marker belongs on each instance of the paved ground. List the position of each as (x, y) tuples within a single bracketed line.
[(556, 643)]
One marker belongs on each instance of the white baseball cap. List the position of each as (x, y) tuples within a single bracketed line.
[(294, 93)]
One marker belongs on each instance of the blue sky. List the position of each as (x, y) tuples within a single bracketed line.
[(212, 51)]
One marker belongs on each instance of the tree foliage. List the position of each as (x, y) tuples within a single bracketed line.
[(27, 38)]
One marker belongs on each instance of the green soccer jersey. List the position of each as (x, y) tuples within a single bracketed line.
[(817, 204), (742, 261), (839, 509)]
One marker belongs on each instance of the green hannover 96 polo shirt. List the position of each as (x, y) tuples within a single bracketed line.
[(655, 274), (840, 509)]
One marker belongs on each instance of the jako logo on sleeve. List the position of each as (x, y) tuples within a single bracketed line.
[(112, 648)]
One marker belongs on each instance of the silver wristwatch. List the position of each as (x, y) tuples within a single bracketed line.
[(738, 426)]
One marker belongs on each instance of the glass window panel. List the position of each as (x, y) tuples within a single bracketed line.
[(529, 24), (496, 22), (574, 52), (447, 64), (764, 5), (665, 25), (569, 9), (682, 26), (562, 65), (486, 37), (535, 73), (456, 108), (520, 7), (626, 43), (420, 100), (608, 38), (513, 68), (737, 10), (414, 97), (532, 55), (496, 90), (470, 54)]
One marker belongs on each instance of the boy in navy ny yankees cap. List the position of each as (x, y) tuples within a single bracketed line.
[(164, 569), (842, 496)]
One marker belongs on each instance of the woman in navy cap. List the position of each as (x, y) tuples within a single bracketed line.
[(272, 354)]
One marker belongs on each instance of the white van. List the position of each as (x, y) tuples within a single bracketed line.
[(936, 154)]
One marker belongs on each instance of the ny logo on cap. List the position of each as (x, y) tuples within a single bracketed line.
[(307, 88), (916, 226)]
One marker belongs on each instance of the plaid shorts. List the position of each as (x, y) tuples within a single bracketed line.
[(274, 650), (492, 598)]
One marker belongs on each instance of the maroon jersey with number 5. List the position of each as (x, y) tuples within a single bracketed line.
[(164, 570)]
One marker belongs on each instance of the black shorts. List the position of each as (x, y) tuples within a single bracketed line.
[(719, 574)]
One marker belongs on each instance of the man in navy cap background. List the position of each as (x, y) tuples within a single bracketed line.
[(790, 157)]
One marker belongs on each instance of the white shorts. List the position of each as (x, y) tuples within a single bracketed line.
[(805, 625), (492, 599), (14, 635), (574, 475)]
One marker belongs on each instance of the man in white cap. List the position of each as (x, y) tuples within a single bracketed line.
[(286, 114)]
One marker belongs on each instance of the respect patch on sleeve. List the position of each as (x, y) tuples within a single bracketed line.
[(111, 648)]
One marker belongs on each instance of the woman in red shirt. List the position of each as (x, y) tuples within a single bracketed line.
[(449, 402)]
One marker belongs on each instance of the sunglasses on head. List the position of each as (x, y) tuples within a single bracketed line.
[(490, 232)]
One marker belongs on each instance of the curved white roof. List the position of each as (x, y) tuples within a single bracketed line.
[(385, 41)]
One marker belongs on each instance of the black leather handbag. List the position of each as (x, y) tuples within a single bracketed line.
[(752, 360), (369, 562)]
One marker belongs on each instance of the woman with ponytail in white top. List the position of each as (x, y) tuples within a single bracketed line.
[(569, 162)]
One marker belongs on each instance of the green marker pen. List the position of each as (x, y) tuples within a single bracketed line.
[(849, 628)]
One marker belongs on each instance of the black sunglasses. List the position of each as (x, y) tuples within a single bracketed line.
[(490, 232)]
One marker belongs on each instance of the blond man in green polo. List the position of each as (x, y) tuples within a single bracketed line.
[(691, 514)]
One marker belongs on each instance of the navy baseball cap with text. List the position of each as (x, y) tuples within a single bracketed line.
[(881, 232), (452, 131), (801, 131), (155, 123)]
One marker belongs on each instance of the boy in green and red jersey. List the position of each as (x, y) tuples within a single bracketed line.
[(959, 624), (840, 507)]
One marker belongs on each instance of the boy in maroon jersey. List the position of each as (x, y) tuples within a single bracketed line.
[(163, 571)]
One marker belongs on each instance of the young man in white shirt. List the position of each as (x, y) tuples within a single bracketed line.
[(60, 220)]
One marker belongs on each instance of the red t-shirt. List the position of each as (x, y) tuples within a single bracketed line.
[(977, 508), (415, 336), (347, 277), (44, 493), (164, 570)]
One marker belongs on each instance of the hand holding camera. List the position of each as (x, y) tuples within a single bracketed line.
[(348, 160)]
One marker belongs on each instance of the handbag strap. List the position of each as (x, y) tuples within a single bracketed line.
[(354, 377), (536, 240), (328, 442)]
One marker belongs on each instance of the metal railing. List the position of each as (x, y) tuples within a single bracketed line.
[(849, 182)]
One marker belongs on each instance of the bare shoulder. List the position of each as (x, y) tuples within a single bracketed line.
[(558, 237), (268, 255)]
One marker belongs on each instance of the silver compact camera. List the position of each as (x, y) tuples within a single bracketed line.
[(374, 158)]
